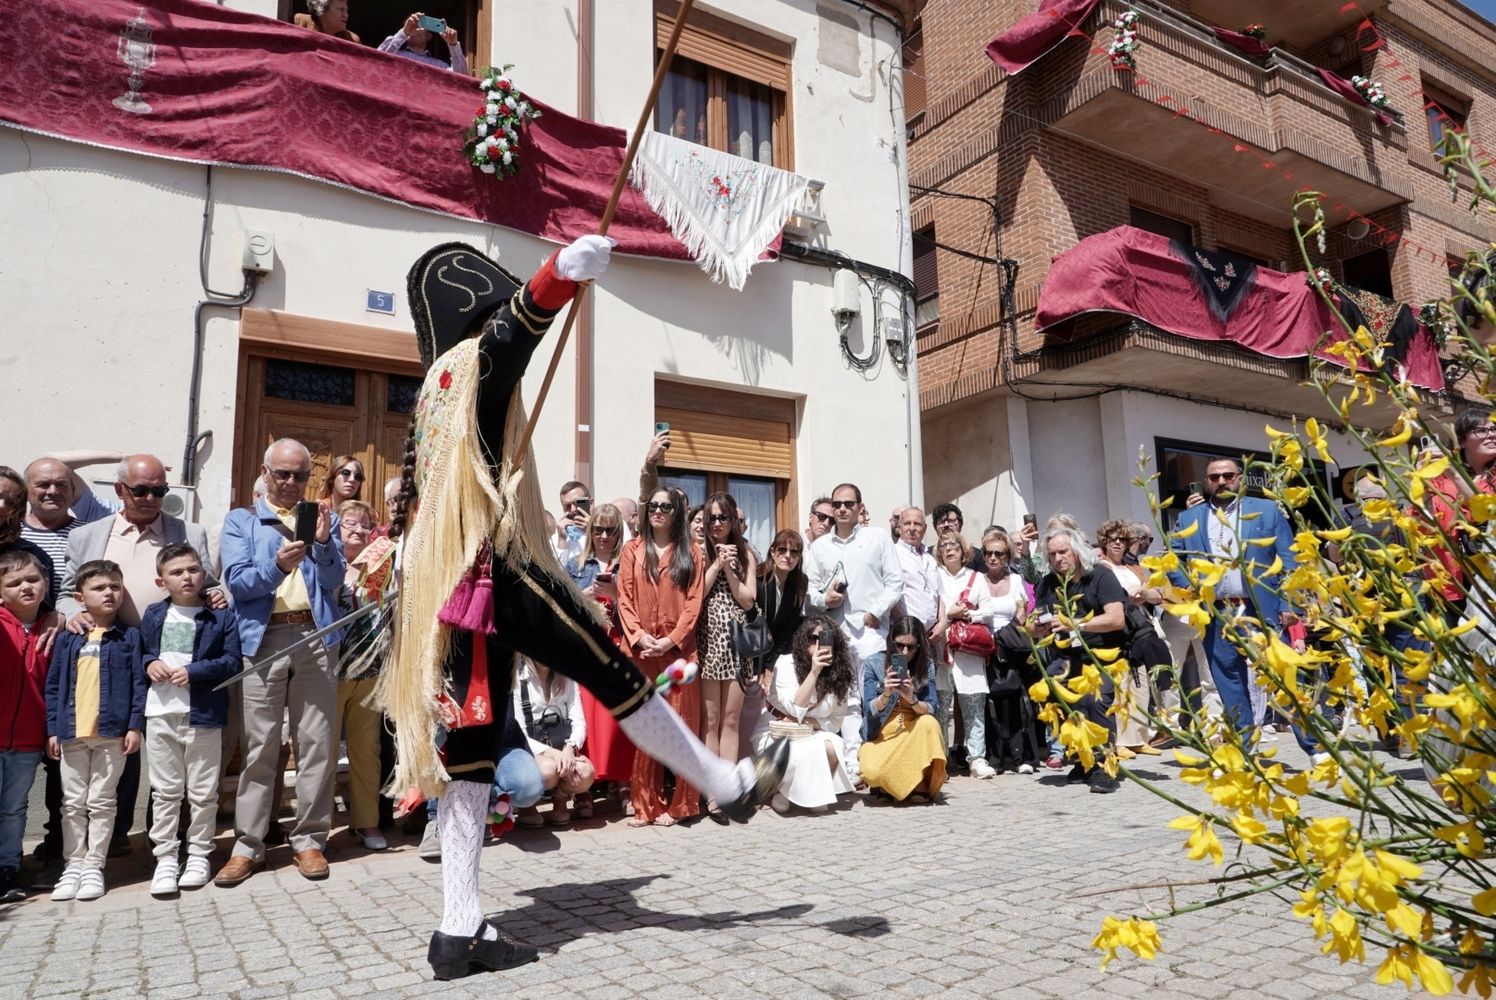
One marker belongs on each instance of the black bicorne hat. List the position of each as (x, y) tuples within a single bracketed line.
[(452, 289)]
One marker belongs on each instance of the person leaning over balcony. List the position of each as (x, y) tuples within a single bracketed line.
[(329, 17), (412, 41)]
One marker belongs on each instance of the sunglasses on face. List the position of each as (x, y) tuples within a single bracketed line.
[(906, 647), (843, 504), (823, 518), (357, 477), (720, 518), (289, 475), (603, 529), (662, 508), (783, 551), (140, 492), (1217, 477), (995, 554)]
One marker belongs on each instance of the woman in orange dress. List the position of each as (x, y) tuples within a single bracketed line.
[(659, 599)]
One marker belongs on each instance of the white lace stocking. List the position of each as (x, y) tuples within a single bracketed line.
[(656, 729), (460, 818)]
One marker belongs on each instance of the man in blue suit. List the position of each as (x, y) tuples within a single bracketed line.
[(1226, 525)]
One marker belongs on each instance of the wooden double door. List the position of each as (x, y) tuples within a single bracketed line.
[(327, 394)]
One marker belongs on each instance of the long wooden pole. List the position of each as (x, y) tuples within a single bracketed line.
[(622, 179)]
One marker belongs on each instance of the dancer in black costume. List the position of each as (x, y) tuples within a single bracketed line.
[(479, 582)]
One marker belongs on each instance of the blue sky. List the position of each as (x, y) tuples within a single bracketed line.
[(1485, 8)]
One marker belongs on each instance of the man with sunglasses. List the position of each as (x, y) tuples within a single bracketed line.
[(855, 577), (132, 538), (284, 590), (820, 521), (1246, 535)]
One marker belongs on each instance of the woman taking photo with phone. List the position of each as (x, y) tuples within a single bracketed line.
[(659, 600), (731, 588), (807, 704), (596, 575), (904, 753), (427, 40)]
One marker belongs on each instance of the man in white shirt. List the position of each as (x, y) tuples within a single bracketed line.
[(922, 596), (856, 579), (820, 521)]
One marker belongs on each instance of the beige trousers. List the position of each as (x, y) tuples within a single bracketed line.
[(303, 685), (182, 762), (359, 725), (91, 769)]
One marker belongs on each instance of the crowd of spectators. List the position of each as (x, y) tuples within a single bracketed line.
[(890, 659)]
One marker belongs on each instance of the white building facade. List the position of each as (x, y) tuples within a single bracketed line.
[(101, 282)]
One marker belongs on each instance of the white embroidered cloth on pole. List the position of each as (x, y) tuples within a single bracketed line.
[(724, 208)]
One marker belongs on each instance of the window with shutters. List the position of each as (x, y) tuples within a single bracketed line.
[(915, 93), (732, 442), (926, 278), (1164, 225), (728, 87), (1445, 113)]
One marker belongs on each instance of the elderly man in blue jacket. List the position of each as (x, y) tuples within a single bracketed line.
[(1226, 527), (283, 591)]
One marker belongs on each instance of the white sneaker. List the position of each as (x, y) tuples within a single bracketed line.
[(67, 883), (981, 769), (1025, 769), (90, 884), (164, 882), (372, 839), (195, 873), (431, 844)]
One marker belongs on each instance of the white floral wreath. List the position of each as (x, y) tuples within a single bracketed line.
[(1125, 41), (1371, 92), (492, 143)]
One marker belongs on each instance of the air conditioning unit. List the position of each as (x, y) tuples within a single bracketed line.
[(180, 502), (807, 215)]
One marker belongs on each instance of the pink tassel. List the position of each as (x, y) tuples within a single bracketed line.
[(471, 605)]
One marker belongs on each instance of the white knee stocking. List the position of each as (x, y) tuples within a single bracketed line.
[(656, 729), (460, 818)]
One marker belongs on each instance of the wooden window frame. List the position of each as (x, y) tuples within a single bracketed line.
[(1133, 207), (728, 49), (1457, 110)]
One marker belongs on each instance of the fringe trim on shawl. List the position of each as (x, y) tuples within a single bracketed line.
[(460, 508), (701, 216)]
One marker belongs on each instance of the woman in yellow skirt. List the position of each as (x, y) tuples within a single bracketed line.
[(904, 753)]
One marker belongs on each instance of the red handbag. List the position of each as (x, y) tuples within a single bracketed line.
[(970, 637)]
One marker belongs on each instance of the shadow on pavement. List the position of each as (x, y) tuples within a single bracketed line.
[(609, 907)]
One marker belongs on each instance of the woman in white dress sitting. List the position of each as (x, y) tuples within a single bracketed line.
[(807, 702)]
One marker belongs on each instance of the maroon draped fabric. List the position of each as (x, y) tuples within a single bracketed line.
[(232, 88), (1133, 272), (1034, 35), (1245, 44), (1347, 90)]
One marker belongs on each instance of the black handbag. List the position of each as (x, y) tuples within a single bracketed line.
[(750, 634), (552, 728)]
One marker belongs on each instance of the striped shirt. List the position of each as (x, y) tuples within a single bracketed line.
[(55, 545)]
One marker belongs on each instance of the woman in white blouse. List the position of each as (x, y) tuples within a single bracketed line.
[(1135, 690), (968, 598), (549, 706), (807, 702)]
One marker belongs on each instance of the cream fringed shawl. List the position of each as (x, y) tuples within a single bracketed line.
[(460, 508)]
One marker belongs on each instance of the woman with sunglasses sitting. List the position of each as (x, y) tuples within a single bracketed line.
[(904, 753), (659, 600), (808, 703), (596, 574)]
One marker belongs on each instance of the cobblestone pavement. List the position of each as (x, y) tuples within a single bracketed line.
[(984, 895)]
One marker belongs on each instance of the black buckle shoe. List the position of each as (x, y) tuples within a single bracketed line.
[(768, 772), (453, 956)]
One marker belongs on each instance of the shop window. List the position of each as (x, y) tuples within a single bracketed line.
[(727, 88), (1370, 272), (1181, 469), (1164, 225)]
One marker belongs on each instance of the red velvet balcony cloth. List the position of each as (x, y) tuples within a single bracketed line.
[(1245, 44), (1132, 272), (233, 88), (1031, 37), (1347, 90)]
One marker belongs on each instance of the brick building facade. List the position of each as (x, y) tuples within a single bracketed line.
[(1200, 143)]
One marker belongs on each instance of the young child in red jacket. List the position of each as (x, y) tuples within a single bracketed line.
[(23, 708)]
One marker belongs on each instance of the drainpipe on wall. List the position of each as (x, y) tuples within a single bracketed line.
[(586, 30), (906, 266)]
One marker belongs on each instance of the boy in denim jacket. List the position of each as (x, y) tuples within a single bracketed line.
[(95, 715), (189, 649)]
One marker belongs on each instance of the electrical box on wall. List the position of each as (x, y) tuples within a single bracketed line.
[(846, 296), (259, 251)]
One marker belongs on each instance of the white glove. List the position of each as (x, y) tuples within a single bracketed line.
[(586, 259)]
